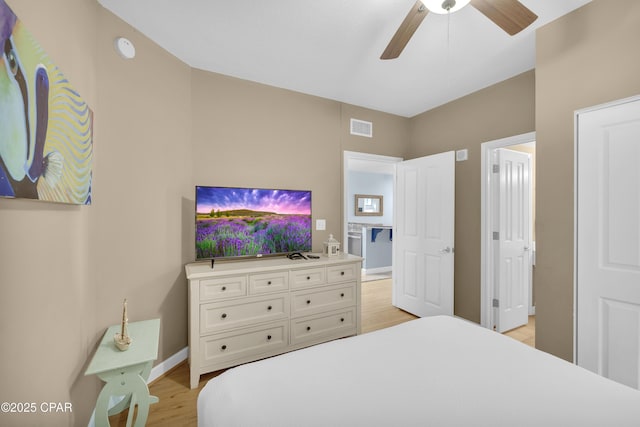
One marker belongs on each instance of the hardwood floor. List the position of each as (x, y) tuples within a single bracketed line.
[(377, 311), (177, 406), (526, 333)]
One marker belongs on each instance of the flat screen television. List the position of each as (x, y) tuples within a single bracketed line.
[(234, 222)]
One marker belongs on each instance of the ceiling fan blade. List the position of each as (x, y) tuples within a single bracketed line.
[(405, 31), (510, 15)]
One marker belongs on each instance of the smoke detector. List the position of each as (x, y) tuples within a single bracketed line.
[(125, 48)]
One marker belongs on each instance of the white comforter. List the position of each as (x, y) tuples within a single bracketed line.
[(436, 371)]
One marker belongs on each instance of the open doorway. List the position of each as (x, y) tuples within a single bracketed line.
[(369, 234), (493, 305)]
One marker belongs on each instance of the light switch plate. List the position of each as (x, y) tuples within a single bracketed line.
[(321, 224)]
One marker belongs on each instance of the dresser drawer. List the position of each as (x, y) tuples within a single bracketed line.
[(218, 316), (223, 287), (244, 343), (323, 326), (307, 277), (276, 281), (325, 298), (342, 273), (244, 311)]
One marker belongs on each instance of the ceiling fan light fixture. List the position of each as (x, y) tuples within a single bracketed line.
[(444, 6)]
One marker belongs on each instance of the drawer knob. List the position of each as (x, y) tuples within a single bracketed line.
[(342, 273), (342, 319), (268, 337), (308, 301), (269, 282), (308, 277), (224, 347), (342, 295), (269, 308), (224, 288), (308, 328), (224, 315)]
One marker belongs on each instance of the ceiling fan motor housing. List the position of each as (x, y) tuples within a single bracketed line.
[(448, 4)]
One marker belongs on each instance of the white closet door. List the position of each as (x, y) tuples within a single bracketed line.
[(608, 241)]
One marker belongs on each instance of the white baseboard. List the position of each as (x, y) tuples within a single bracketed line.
[(387, 269), (168, 364), (156, 372)]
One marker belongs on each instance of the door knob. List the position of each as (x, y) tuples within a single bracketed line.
[(446, 250)]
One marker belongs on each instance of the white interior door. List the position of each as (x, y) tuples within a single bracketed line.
[(608, 241), (512, 240), (424, 234)]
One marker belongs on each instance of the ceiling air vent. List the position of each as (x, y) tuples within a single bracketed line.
[(361, 128)]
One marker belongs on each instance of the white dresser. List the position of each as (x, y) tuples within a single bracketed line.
[(242, 311)]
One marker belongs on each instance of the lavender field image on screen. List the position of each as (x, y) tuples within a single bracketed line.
[(233, 222)]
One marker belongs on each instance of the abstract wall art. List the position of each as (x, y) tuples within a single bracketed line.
[(46, 129)]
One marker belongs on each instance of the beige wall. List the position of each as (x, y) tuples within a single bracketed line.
[(390, 133), (66, 269), (248, 134), (160, 128), (143, 172), (503, 110), (585, 58)]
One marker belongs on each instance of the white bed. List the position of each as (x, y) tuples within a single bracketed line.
[(436, 371)]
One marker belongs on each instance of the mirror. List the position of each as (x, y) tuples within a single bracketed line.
[(367, 205)]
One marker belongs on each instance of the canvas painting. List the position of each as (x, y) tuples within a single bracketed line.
[(46, 129)]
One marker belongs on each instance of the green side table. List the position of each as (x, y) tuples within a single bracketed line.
[(126, 372)]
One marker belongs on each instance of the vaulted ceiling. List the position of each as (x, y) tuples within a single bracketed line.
[(332, 48)]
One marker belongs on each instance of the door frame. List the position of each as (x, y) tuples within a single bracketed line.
[(367, 157), (486, 216)]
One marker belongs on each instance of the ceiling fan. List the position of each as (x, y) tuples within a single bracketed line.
[(510, 15)]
